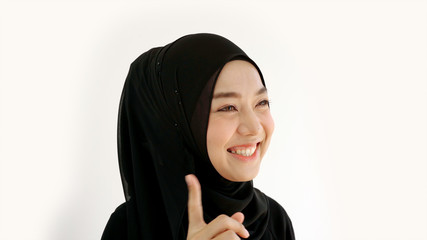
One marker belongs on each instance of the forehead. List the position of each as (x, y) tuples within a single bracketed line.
[(238, 76)]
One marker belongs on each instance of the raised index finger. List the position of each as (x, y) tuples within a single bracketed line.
[(195, 209)]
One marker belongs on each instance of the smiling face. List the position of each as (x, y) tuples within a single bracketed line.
[(240, 124)]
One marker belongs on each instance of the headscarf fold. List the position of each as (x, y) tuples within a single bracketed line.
[(163, 119)]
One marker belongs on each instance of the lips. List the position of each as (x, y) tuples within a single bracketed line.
[(245, 150)]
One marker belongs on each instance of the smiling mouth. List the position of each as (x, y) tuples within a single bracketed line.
[(244, 150)]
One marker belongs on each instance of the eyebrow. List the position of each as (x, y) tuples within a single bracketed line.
[(236, 95)]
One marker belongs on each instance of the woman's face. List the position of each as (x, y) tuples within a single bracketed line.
[(240, 124)]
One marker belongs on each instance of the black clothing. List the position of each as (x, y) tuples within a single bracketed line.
[(279, 225), (163, 119)]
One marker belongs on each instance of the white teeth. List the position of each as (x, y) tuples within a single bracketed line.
[(244, 152)]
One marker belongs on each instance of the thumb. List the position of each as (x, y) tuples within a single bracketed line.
[(195, 209), (238, 216)]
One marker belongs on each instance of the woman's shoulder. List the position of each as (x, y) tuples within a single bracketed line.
[(279, 223), (117, 224)]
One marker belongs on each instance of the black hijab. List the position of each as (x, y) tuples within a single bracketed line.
[(163, 119)]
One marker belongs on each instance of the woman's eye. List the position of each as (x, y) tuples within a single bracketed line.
[(228, 108), (264, 103)]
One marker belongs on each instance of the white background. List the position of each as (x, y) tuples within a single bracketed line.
[(347, 80)]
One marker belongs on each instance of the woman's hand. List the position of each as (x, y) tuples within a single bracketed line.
[(222, 227)]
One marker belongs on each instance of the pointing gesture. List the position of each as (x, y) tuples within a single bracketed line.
[(222, 227)]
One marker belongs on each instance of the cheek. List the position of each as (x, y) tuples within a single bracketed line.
[(268, 124), (219, 132)]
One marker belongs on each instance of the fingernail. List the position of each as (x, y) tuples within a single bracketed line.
[(247, 233), (188, 180)]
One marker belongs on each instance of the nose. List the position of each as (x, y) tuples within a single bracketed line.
[(249, 123)]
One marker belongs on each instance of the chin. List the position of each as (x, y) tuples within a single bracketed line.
[(248, 176)]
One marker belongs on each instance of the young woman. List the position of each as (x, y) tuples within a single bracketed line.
[(194, 124)]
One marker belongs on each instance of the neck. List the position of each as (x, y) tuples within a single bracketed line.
[(219, 195)]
